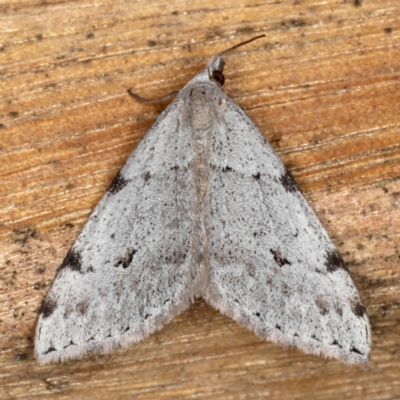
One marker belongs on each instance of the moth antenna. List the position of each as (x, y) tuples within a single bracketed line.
[(151, 101), (241, 44)]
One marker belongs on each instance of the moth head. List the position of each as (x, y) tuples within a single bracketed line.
[(215, 68), (216, 65)]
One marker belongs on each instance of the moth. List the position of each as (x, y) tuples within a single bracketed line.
[(203, 207)]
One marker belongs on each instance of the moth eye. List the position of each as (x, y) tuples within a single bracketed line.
[(218, 77)]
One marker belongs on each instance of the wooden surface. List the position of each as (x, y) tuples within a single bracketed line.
[(323, 86)]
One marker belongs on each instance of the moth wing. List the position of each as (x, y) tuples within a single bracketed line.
[(273, 267), (131, 268)]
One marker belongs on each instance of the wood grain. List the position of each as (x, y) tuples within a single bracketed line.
[(323, 86)]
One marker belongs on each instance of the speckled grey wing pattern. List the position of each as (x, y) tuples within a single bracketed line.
[(203, 207), (132, 267), (273, 267)]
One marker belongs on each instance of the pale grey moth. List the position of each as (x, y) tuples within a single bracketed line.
[(203, 207)]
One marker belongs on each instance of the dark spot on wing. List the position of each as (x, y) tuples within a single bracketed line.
[(67, 310), (315, 338), (339, 309), (279, 258), (355, 350), (50, 350), (48, 307), (180, 257), (288, 182), (118, 183), (226, 169), (175, 167), (82, 307), (322, 306), (71, 343), (146, 176), (335, 343), (72, 261), (177, 258), (126, 260), (334, 261), (358, 309), (357, 3), (257, 176)]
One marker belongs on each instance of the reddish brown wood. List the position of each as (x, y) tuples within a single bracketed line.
[(324, 88)]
